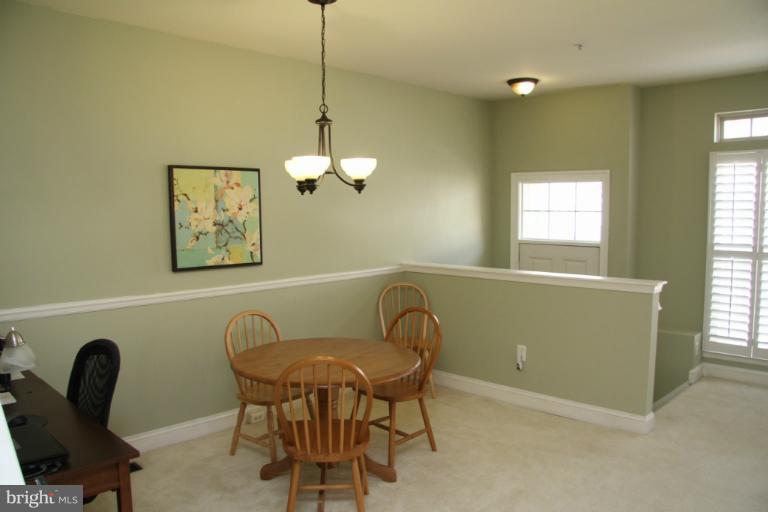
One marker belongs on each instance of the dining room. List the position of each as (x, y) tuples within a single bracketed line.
[(154, 199)]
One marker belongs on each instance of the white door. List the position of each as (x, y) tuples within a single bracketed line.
[(565, 259), (560, 222)]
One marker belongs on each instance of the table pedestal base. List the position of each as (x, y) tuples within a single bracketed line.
[(273, 469), (386, 473)]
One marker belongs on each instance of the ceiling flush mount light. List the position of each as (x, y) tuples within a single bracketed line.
[(522, 86), (308, 171)]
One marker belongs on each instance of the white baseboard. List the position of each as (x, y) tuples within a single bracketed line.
[(180, 432), (695, 374), (661, 402), (745, 375), (550, 404)]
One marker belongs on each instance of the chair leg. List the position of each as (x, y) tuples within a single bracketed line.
[(271, 432), (432, 386), (427, 425), (359, 496), (236, 433), (294, 489), (364, 474), (392, 433)]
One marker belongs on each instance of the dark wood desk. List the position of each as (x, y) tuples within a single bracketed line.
[(98, 459)]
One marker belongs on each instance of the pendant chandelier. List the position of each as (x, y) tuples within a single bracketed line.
[(308, 171)]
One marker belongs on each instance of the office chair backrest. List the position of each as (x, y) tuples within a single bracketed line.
[(93, 379)]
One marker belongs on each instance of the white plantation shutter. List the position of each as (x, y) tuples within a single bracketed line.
[(731, 301), (762, 313), (737, 288)]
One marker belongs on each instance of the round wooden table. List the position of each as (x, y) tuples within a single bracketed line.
[(381, 361)]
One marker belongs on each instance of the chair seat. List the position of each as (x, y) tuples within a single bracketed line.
[(322, 453), (398, 391)]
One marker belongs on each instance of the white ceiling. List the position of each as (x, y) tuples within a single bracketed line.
[(471, 47)]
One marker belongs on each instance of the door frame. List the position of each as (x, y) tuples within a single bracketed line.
[(517, 178)]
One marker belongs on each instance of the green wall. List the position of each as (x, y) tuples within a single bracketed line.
[(590, 346), (173, 364), (677, 133), (677, 353), (656, 143), (581, 129), (94, 111)]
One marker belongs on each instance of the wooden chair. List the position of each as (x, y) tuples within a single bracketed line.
[(331, 428), (419, 330), (397, 297), (245, 330)]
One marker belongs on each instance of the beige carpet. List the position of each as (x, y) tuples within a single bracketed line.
[(708, 452)]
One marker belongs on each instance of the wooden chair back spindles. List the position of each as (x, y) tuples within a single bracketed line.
[(418, 329), (397, 297), (249, 329), (328, 418), (246, 330), (325, 422)]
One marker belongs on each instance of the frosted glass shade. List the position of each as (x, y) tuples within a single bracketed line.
[(523, 88), (307, 167), (358, 168), (16, 359)]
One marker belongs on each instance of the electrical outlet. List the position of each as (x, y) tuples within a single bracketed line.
[(254, 415), (522, 357)]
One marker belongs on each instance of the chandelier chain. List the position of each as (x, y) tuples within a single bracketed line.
[(323, 106)]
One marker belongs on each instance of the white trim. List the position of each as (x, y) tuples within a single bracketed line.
[(735, 359), (561, 407), (184, 431), (694, 375), (722, 117), (721, 371), (618, 284), (517, 178), (522, 276), (87, 306), (661, 402)]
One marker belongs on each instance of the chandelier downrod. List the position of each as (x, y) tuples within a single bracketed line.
[(309, 171)]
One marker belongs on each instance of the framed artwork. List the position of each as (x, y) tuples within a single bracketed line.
[(215, 217)]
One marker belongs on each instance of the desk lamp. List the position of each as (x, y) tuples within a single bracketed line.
[(16, 356)]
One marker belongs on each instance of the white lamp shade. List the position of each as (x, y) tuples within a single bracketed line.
[(16, 359), (307, 167), (292, 170), (523, 88), (358, 168)]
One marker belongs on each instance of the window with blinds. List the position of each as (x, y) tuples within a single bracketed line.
[(737, 268)]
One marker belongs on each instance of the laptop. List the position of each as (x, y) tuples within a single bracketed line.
[(37, 450)]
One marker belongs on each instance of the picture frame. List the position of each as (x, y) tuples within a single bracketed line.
[(215, 217)]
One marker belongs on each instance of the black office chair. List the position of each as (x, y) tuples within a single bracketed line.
[(93, 379)]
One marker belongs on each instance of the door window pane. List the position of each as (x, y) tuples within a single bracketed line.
[(536, 225), (562, 225), (535, 196), (562, 211), (562, 197), (589, 196), (588, 226)]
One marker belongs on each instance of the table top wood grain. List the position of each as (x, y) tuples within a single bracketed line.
[(380, 361)]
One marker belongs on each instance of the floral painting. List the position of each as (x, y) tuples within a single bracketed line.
[(215, 217)]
